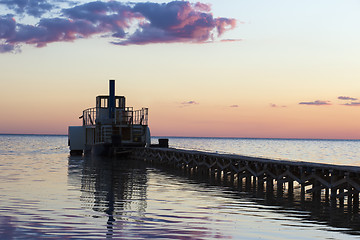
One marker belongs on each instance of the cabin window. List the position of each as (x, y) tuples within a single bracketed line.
[(120, 102), (104, 103)]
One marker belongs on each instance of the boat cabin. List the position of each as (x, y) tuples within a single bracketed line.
[(110, 124)]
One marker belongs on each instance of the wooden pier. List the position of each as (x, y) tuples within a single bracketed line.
[(337, 185)]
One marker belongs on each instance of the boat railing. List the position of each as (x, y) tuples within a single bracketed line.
[(141, 116), (125, 116), (89, 117)]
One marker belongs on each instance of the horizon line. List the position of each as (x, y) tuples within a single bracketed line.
[(274, 138)]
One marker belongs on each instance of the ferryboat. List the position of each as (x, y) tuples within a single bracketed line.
[(109, 128)]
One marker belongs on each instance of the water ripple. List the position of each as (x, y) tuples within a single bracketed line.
[(47, 195)]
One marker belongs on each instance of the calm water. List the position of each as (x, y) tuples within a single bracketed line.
[(340, 152), (45, 194)]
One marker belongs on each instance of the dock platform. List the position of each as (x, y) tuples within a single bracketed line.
[(338, 185)]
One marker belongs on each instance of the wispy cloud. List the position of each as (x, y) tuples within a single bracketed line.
[(316, 103), (276, 106), (231, 40), (347, 98), (126, 23), (188, 103), (354, 104), (234, 106)]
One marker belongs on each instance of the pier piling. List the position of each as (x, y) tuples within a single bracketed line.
[(338, 185)]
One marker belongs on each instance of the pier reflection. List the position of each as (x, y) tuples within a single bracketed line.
[(114, 194), (287, 199)]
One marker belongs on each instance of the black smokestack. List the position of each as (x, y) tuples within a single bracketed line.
[(111, 98)]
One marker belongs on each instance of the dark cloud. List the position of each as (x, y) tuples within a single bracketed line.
[(52, 30), (356, 104), (7, 31), (177, 21), (34, 8), (7, 27), (128, 23), (6, 48), (234, 106), (316, 103), (108, 15), (347, 98)]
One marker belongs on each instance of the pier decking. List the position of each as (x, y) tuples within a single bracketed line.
[(338, 185)]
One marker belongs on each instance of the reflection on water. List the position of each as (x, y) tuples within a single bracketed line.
[(117, 188), (307, 211), (116, 192), (135, 200), (45, 194)]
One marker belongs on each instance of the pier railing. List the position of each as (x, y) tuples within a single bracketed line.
[(324, 182)]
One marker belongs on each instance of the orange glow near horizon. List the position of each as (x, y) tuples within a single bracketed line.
[(330, 122), (206, 117)]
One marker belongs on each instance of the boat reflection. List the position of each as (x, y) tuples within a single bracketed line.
[(114, 189), (115, 192)]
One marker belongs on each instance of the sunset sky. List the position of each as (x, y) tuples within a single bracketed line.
[(215, 68)]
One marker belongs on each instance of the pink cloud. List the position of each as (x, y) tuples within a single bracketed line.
[(231, 40), (176, 21), (224, 24)]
